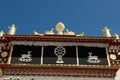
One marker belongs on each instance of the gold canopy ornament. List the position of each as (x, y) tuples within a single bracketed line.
[(60, 28), (106, 32), (12, 29)]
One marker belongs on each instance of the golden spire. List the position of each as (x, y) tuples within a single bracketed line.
[(106, 32), (12, 29)]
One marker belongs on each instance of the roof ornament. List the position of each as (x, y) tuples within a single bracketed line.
[(1, 33), (116, 35), (26, 57), (93, 59), (81, 34), (60, 28), (12, 29), (106, 32), (69, 32), (51, 32), (36, 33)]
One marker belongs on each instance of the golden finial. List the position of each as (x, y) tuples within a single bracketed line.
[(106, 32), (116, 35), (60, 28), (12, 29), (1, 33)]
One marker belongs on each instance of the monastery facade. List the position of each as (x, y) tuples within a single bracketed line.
[(58, 56)]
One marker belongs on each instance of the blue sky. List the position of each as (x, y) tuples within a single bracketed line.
[(88, 16)]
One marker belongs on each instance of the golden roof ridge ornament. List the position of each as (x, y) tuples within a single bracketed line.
[(81, 34), (106, 32), (69, 32), (12, 29), (36, 33), (51, 32), (60, 28)]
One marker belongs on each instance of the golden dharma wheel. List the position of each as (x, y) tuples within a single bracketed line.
[(4, 54), (113, 56), (60, 27)]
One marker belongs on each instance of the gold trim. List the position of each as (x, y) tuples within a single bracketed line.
[(4, 54), (113, 56)]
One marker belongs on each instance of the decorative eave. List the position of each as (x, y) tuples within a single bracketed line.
[(61, 66), (58, 66), (75, 71), (59, 38)]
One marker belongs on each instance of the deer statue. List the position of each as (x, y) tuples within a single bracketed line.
[(81, 34), (26, 57), (92, 59), (38, 34), (12, 30), (106, 32), (69, 32), (51, 32)]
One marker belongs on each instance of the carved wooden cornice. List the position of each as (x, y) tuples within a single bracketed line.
[(74, 71), (59, 38)]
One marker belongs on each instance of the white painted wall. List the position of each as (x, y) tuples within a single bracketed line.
[(117, 77), (54, 78)]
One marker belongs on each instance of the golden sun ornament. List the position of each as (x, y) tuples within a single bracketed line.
[(4, 54), (113, 56)]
